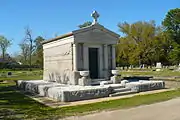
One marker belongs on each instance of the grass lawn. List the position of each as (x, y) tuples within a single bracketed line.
[(164, 73), (21, 75), (38, 74), (14, 105)]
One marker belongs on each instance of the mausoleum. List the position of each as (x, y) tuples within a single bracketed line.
[(81, 65), (91, 48)]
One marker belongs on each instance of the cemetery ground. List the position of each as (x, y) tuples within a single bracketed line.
[(151, 72), (15, 105), (20, 74), (38, 74)]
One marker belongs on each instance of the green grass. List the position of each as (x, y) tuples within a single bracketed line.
[(21, 75), (165, 73), (14, 105), (37, 74)]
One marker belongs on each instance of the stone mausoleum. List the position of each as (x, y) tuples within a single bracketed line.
[(91, 48), (81, 65)]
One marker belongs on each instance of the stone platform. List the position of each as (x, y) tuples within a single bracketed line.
[(61, 92), (68, 93)]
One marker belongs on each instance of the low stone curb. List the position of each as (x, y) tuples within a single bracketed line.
[(54, 104)]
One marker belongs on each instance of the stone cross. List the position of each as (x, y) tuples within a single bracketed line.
[(95, 15)]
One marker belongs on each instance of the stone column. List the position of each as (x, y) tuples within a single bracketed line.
[(75, 57), (82, 55), (113, 57), (105, 61)]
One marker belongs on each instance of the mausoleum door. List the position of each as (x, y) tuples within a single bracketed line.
[(93, 63)]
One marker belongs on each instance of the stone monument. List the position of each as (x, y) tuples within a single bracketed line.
[(81, 65), (87, 49), (158, 66)]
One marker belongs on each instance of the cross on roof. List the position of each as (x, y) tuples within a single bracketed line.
[(95, 15)]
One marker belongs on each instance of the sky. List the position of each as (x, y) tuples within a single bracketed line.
[(48, 18)]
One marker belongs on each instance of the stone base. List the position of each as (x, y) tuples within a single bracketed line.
[(115, 79), (144, 85), (158, 69), (84, 81), (65, 93), (68, 93)]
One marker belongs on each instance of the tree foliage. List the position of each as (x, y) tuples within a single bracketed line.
[(143, 43), (31, 50), (38, 53), (172, 28), (86, 24), (24, 46), (172, 24), (4, 44)]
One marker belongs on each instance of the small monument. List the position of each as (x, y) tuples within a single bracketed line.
[(178, 69), (158, 66)]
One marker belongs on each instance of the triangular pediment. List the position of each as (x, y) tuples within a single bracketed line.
[(96, 27), (95, 34)]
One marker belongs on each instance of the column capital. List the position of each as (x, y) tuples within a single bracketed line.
[(105, 45), (75, 44), (113, 45)]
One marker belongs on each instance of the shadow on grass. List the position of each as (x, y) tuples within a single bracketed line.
[(14, 105)]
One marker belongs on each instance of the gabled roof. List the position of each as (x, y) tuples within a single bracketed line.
[(84, 29), (57, 38), (96, 26)]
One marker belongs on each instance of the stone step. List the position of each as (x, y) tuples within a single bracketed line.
[(116, 86), (121, 93), (121, 90), (96, 81)]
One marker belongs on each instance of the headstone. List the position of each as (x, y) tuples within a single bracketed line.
[(178, 67), (131, 67), (158, 66), (9, 74), (143, 66)]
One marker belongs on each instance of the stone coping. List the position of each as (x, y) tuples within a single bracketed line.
[(54, 104), (64, 87), (68, 93)]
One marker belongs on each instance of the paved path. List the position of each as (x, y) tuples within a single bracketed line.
[(168, 110)]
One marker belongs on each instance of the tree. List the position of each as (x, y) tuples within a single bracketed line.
[(86, 24), (143, 43), (25, 51), (174, 54), (28, 37), (123, 52), (172, 24), (4, 44), (39, 51), (172, 29)]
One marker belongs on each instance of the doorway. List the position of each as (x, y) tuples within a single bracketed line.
[(93, 63)]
